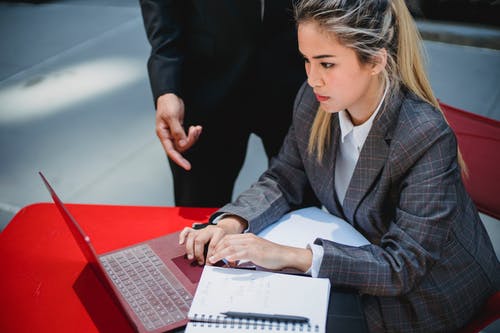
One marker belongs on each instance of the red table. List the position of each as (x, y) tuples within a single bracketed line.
[(45, 285)]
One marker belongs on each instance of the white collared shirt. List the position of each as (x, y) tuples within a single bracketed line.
[(352, 139)]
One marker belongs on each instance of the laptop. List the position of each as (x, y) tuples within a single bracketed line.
[(152, 281)]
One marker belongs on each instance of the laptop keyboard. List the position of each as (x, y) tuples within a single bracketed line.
[(152, 291)]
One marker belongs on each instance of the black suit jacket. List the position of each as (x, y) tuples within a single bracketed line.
[(219, 54)]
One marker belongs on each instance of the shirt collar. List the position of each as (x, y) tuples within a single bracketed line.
[(360, 132)]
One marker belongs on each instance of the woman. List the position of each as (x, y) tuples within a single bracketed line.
[(369, 139)]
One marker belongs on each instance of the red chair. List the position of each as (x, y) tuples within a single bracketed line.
[(479, 141)]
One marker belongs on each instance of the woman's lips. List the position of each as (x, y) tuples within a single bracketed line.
[(321, 98)]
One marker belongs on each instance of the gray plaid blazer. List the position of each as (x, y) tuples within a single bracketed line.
[(431, 264)]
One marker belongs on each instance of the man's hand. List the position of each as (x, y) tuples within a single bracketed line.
[(169, 120)]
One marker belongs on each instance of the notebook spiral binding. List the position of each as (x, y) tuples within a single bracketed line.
[(224, 322)]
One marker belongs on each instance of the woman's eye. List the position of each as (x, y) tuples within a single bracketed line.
[(327, 64)]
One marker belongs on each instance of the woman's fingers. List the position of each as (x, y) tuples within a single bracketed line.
[(183, 234), (217, 235), (195, 242), (199, 247), (234, 248), (189, 242)]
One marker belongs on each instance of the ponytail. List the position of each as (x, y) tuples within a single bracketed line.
[(409, 59), (410, 64)]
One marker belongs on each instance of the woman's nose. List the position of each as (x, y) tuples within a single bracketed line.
[(314, 78)]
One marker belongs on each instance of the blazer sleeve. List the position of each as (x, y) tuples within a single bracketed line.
[(427, 201), (163, 24)]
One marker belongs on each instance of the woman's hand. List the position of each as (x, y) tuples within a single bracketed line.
[(196, 240), (261, 252)]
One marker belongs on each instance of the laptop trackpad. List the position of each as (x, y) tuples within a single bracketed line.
[(190, 268)]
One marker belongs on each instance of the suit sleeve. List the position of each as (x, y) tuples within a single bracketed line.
[(163, 24), (425, 208)]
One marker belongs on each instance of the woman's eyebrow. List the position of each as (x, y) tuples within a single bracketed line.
[(320, 56)]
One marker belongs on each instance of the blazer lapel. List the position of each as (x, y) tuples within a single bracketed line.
[(333, 206), (372, 157), (335, 144)]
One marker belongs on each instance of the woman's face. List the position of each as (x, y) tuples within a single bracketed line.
[(338, 79)]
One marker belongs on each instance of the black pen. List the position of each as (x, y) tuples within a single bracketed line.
[(264, 316)]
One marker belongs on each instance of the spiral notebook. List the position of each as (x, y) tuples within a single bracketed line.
[(223, 290)]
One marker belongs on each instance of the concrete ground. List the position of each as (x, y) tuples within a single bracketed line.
[(75, 103)]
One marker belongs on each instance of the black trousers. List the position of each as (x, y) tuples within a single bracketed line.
[(217, 157), (216, 160)]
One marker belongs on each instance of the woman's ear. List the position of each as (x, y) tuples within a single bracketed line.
[(380, 61)]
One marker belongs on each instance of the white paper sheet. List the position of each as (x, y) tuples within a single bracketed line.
[(303, 226)]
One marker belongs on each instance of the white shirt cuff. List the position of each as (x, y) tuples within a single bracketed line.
[(318, 252)]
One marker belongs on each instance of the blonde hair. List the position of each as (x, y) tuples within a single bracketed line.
[(367, 26)]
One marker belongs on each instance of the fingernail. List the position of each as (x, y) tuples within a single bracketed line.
[(211, 259), (182, 142), (190, 256)]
